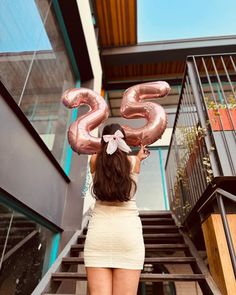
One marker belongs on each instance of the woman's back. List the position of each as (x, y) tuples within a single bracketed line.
[(114, 238)]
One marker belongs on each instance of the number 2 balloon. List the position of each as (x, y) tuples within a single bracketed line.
[(132, 106)]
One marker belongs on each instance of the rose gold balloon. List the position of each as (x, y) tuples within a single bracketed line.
[(132, 106), (79, 131)]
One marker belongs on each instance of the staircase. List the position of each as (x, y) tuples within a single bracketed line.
[(15, 231), (171, 262)]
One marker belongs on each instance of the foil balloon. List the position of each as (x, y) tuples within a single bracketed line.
[(79, 136), (133, 106)]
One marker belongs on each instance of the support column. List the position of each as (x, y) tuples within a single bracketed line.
[(217, 251)]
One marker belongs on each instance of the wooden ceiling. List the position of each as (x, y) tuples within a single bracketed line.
[(117, 27), (126, 62), (145, 71), (117, 22)]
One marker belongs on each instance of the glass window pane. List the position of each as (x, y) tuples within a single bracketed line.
[(36, 69), (150, 194), (25, 248), (22, 33)]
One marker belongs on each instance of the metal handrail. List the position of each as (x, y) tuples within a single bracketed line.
[(218, 194), (195, 157)]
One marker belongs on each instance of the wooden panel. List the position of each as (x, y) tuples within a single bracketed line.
[(175, 68), (117, 20), (217, 252)]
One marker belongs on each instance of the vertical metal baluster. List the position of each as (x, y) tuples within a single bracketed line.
[(195, 121), (198, 167), (221, 88), (191, 190), (193, 176), (227, 231), (232, 61), (179, 122), (228, 76), (209, 140), (6, 240), (194, 124), (184, 114)]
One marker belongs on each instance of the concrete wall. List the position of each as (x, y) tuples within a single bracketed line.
[(75, 205), (26, 173)]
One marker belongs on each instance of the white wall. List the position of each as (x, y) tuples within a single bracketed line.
[(90, 37), (91, 42)]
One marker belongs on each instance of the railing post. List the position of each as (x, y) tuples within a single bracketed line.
[(227, 231), (198, 102)]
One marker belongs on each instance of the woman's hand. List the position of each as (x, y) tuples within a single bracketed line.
[(143, 153)]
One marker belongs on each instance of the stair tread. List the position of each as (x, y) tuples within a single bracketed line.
[(160, 226), (162, 235), (153, 212), (169, 259), (73, 260), (80, 260), (147, 246), (75, 246), (58, 276), (156, 226), (166, 246), (157, 220), (146, 218), (159, 235)]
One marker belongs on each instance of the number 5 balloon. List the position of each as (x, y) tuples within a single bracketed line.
[(132, 106), (79, 136)]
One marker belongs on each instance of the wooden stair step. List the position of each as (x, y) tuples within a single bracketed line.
[(166, 246), (78, 247), (149, 226), (157, 214), (60, 276), (171, 277), (150, 236), (163, 235), (169, 260), (151, 260), (148, 220), (73, 260), (159, 228)]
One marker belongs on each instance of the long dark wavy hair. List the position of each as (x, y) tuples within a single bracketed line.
[(112, 180)]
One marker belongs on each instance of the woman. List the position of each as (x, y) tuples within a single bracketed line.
[(114, 246)]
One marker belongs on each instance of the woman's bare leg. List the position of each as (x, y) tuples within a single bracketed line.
[(125, 281), (99, 280)]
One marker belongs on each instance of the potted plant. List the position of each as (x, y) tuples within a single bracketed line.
[(222, 116)]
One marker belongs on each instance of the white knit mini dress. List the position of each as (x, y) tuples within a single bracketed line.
[(115, 238)]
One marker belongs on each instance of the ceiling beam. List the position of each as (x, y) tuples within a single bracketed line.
[(178, 50), (116, 85)]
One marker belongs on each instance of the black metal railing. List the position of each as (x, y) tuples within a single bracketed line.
[(203, 142), (220, 195)]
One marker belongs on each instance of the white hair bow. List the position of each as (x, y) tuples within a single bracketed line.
[(116, 141)]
